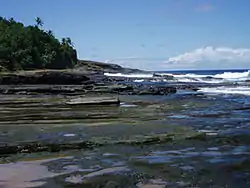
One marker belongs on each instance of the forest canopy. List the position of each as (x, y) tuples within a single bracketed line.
[(31, 47)]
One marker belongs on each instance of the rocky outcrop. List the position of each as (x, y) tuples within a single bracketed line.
[(135, 89), (45, 89), (113, 88), (132, 89), (43, 77), (93, 66), (75, 82), (155, 90), (36, 146)]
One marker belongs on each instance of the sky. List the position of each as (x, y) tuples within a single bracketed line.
[(147, 34)]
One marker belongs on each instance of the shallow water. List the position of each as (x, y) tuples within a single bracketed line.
[(130, 156)]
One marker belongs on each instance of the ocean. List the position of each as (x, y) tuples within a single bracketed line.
[(210, 81), (219, 108), (206, 72)]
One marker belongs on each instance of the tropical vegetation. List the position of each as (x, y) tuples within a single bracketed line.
[(31, 47)]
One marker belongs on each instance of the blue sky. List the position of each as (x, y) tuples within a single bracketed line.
[(148, 34)]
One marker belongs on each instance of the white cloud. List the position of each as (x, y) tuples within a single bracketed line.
[(215, 57), (201, 58)]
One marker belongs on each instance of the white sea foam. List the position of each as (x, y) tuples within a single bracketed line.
[(194, 78), (69, 135), (233, 75), (163, 74), (226, 90), (199, 80), (139, 80), (129, 75), (218, 78), (186, 80), (191, 76)]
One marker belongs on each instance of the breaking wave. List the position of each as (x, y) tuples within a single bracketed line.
[(234, 75), (226, 90), (189, 77), (217, 78), (129, 75)]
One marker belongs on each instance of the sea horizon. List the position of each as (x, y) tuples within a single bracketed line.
[(200, 70)]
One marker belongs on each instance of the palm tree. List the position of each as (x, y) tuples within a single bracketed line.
[(50, 33), (69, 42), (64, 41), (39, 22), (11, 20)]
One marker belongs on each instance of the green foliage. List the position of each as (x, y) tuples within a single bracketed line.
[(30, 47)]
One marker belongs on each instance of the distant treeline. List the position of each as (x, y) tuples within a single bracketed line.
[(31, 47)]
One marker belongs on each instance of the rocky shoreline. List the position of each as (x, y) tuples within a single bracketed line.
[(89, 77), (103, 123), (82, 86), (68, 82), (36, 147)]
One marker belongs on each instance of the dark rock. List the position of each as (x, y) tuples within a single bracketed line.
[(135, 89), (154, 90), (187, 87), (94, 142), (200, 137), (165, 76), (158, 91), (44, 77), (149, 140), (210, 77), (35, 147), (44, 89), (100, 67), (115, 88)]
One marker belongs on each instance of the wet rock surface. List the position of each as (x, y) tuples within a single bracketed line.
[(93, 101), (167, 135), (43, 77), (66, 82)]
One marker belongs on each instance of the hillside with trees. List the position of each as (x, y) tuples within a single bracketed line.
[(31, 47)]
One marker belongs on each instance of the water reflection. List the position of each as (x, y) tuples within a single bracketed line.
[(27, 174)]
